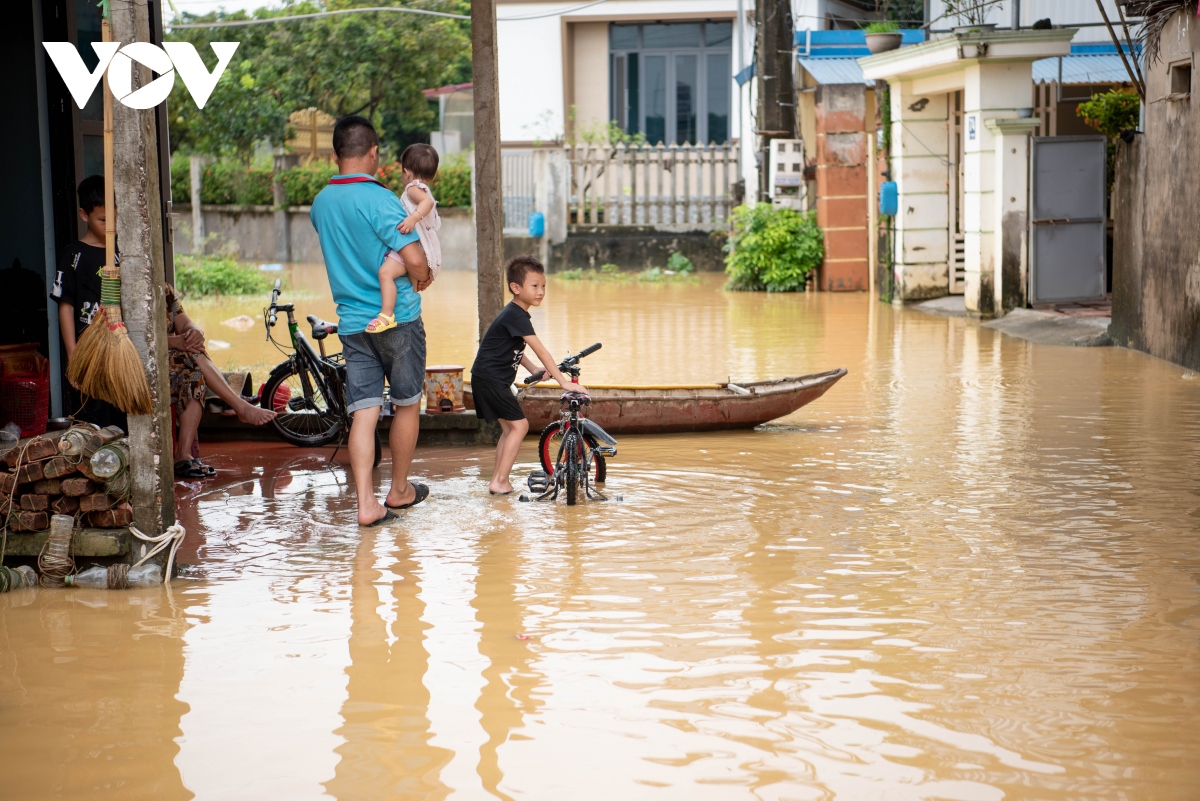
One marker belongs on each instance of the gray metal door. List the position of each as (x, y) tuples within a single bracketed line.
[(1066, 219)]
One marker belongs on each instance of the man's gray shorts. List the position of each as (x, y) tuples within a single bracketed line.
[(397, 355)]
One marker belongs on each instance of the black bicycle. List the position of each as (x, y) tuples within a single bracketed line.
[(307, 392), (572, 449)]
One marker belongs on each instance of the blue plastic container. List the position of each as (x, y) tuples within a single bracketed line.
[(889, 199), (537, 225)]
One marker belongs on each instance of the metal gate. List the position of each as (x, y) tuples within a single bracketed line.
[(1066, 219), (516, 176)]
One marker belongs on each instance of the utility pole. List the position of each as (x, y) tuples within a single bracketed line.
[(776, 91), (136, 179), (489, 213)]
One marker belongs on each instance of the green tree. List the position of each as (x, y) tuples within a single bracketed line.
[(374, 64)]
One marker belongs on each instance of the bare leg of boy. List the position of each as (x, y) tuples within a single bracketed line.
[(512, 433)]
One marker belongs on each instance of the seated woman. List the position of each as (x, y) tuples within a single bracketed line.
[(192, 372)]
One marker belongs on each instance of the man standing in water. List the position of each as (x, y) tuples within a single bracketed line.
[(357, 220)]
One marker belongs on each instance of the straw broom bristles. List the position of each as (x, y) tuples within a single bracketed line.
[(106, 364)]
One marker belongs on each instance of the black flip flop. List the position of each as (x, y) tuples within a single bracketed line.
[(187, 469), (422, 492), (387, 517), (208, 469)]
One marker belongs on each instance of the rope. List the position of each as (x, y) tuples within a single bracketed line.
[(118, 576), (55, 562), (172, 538)]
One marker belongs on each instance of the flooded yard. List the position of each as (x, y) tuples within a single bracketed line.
[(967, 572)]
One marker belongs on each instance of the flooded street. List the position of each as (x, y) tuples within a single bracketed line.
[(967, 572)]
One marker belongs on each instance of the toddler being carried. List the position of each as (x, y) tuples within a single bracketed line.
[(420, 164)]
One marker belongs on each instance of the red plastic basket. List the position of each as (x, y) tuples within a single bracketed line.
[(25, 400)]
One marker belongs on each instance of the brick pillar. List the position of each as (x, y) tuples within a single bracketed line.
[(842, 186)]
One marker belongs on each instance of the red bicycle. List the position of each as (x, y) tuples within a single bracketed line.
[(572, 449)]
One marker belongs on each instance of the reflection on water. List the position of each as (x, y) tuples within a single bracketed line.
[(967, 572)]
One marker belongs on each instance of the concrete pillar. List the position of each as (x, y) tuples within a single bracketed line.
[(485, 173), (196, 174), (283, 232), (1010, 211), (841, 126), (991, 91), (550, 194), (921, 169)]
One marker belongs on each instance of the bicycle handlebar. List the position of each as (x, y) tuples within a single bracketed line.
[(570, 361), (271, 308)]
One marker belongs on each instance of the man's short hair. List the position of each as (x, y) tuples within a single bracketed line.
[(91, 193), (520, 266), (421, 160), (353, 137)]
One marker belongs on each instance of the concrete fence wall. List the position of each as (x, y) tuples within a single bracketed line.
[(255, 230), (1156, 200)]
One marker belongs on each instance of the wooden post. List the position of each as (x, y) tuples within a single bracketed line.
[(489, 214), (136, 179)]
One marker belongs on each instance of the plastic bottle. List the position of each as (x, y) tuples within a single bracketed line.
[(97, 577)]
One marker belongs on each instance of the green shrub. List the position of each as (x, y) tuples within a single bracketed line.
[(231, 182), (451, 186), (772, 248), (302, 183), (216, 275), (181, 180), (680, 263), (1111, 113)]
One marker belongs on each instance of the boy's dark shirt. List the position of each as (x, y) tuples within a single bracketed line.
[(78, 282), (503, 345)]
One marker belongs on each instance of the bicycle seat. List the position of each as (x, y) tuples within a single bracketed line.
[(320, 328), (576, 396)]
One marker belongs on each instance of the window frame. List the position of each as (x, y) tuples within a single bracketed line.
[(619, 96)]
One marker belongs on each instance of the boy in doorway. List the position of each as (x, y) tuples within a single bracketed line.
[(76, 289), (495, 368)]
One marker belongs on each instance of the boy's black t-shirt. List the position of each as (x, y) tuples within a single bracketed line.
[(78, 281), (503, 345)]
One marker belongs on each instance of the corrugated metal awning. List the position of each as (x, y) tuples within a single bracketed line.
[(829, 71), (1089, 68)]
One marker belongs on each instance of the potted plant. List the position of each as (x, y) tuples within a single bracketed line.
[(882, 36), (971, 15)]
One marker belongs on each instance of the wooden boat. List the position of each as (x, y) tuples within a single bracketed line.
[(671, 409)]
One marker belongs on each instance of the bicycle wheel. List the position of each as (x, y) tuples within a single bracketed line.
[(573, 466), (304, 422), (548, 444)]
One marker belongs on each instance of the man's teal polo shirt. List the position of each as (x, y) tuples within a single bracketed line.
[(357, 225)]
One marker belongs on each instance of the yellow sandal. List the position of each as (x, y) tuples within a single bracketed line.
[(382, 322)]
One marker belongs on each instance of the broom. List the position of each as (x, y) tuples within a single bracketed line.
[(106, 364)]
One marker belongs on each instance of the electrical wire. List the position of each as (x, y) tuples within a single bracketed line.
[(394, 9)]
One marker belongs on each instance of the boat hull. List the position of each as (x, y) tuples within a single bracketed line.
[(658, 410)]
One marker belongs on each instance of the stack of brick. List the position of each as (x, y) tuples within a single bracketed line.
[(37, 481)]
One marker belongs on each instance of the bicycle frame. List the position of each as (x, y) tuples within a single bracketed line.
[(329, 371), (572, 435)]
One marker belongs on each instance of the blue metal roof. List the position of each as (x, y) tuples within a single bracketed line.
[(844, 44), (828, 71), (1084, 68)]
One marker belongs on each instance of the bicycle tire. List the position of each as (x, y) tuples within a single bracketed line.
[(308, 428), (571, 468), (548, 451)]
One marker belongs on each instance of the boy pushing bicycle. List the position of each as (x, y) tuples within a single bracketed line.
[(501, 350)]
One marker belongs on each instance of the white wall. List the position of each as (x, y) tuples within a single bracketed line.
[(1061, 12), (531, 56)]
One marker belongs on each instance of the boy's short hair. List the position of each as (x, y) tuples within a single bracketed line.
[(520, 266), (421, 160), (91, 193), (353, 137)]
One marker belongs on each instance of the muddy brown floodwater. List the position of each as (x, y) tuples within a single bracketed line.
[(968, 572)]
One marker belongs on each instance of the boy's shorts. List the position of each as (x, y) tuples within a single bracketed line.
[(397, 354), (495, 401)]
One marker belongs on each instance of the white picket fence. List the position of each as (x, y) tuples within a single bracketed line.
[(652, 184)]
